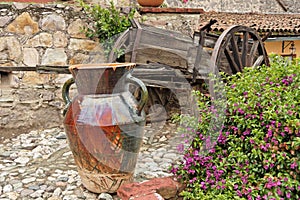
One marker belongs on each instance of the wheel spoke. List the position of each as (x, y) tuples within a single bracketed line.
[(235, 52), (253, 51), (258, 61), (245, 61), (234, 67)]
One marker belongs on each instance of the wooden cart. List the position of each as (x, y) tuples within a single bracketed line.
[(168, 60)]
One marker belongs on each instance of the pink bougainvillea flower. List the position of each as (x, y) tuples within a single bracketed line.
[(294, 165)]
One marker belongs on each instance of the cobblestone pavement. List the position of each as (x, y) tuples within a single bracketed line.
[(40, 165)]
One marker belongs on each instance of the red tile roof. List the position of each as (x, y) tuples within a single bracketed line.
[(278, 24)]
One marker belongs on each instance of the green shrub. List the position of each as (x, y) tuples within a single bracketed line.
[(256, 153), (107, 22)]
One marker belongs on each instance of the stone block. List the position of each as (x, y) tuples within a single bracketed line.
[(60, 39), (167, 187), (10, 48), (82, 44), (53, 22), (23, 24), (79, 58), (4, 20), (30, 56), (40, 40), (56, 56), (75, 29)]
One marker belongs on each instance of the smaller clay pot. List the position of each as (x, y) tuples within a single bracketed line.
[(150, 3)]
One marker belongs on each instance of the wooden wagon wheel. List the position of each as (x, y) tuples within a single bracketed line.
[(238, 47)]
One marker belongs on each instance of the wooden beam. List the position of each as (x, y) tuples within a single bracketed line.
[(38, 68), (16, 68)]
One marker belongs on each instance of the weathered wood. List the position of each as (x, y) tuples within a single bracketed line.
[(16, 68), (53, 69), (210, 40), (147, 55), (238, 47), (39, 69)]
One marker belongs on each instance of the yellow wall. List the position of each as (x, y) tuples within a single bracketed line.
[(276, 47)]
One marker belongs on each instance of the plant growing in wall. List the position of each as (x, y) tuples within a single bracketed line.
[(107, 22)]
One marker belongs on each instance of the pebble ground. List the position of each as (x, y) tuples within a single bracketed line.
[(40, 165)]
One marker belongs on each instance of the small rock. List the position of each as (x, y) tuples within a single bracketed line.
[(50, 178), (63, 178), (152, 165), (61, 184), (17, 185), (34, 187), (158, 196), (22, 160), (26, 192), (105, 196), (54, 198), (70, 187), (2, 179), (37, 155), (172, 156), (71, 180), (61, 136), (5, 154), (51, 188), (163, 139), (28, 180), (7, 188), (37, 193), (13, 174), (39, 171), (58, 171), (69, 197), (57, 192), (67, 154), (22, 170), (43, 187), (12, 195)]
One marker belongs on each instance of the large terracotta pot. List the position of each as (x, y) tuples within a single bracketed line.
[(150, 3), (104, 124)]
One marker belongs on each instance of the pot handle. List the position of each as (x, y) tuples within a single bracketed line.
[(144, 95), (65, 93)]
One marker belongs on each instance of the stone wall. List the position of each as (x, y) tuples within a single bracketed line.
[(37, 34), (33, 34)]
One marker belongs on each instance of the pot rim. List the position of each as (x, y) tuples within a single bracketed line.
[(128, 65)]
